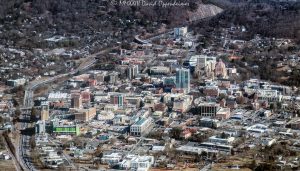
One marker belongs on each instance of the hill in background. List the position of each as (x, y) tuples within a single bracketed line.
[(26, 23), (269, 18)]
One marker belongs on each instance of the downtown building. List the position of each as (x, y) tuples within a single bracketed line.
[(204, 66), (141, 127), (117, 99), (183, 79), (132, 71), (208, 109)]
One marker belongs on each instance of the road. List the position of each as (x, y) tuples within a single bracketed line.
[(66, 156), (14, 159), (23, 144), (28, 99), (206, 168)]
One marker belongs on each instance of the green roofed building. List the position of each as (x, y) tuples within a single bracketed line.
[(65, 128)]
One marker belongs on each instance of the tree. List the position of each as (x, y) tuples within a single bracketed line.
[(62, 168), (18, 90), (1, 120), (279, 105), (175, 133), (273, 106), (17, 113), (156, 135), (241, 100), (252, 165), (223, 135), (204, 154), (126, 46), (193, 6), (15, 102), (34, 155), (32, 142), (98, 152), (78, 142), (112, 141)]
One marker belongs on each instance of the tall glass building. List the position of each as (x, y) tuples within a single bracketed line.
[(183, 79)]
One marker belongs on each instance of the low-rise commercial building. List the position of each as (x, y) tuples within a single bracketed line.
[(112, 158), (58, 96), (159, 70), (223, 113), (134, 162), (16, 82), (141, 127), (210, 123), (65, 128), (220, 140), (182, 104)]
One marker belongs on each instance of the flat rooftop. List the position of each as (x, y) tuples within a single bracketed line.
[(141, 121)]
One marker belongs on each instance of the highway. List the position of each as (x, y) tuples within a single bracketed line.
[(148, 40), (13, 157), (23, 144), (28, 101), (206, 168)]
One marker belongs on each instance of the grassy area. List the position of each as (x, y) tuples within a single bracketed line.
[(7, 165), (243, 163)]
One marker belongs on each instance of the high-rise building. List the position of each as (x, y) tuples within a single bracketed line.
[(85, 114), (117, 99), (45, 112), (220, 69), (201, 62), (113, 77), (40, 127), (132, 71), (205, 66), (183, 79), (76, 101)]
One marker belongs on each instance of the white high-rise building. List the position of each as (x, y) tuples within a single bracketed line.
[(40, 127), (132, 71)]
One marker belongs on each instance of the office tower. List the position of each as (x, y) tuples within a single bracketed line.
[(205, 66), (201, 62), (132, 71), (113, 77), (40, 127), (183, 79), (76, 101), (44, 112), (220, 69)]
